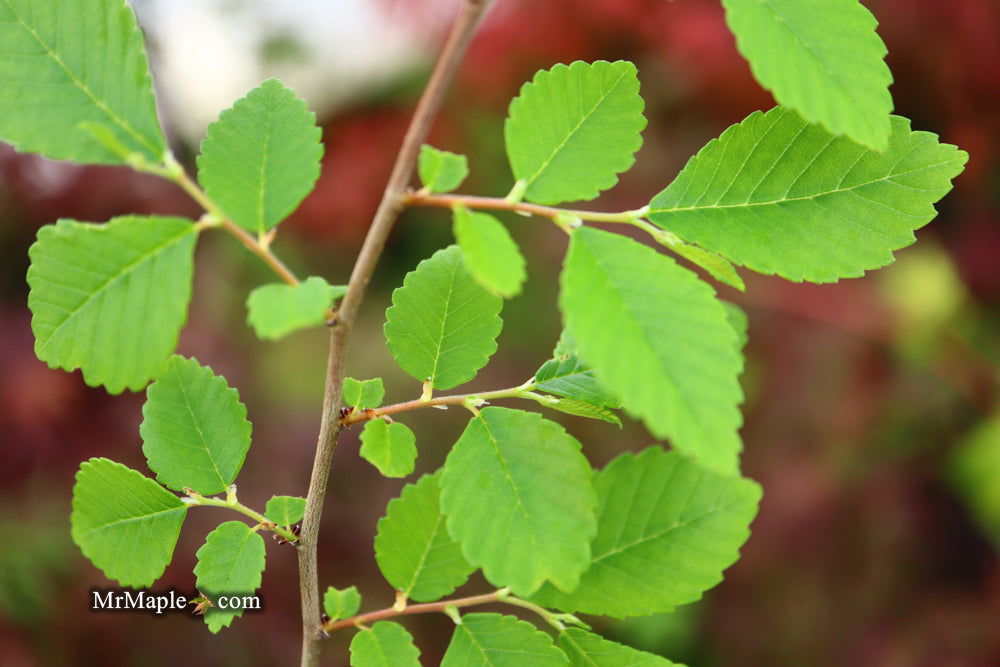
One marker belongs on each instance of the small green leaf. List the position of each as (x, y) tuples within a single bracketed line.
[(412, 547), (494, 640), (277, 310), (110, 299), (780, 196), (569, 377), (230, 564), (667, 529), (125, 523), (491, 255), (442, 324), (386, 644), (585, 649), (70, 66), (573, 406), (657, 337), (194, 431), (973, 469), (441, 171), (285, 510), (533, 517), (822, 58), (573, 129), (261, 158), (389, 447), (341, 603), (363, 393), (716, 265)]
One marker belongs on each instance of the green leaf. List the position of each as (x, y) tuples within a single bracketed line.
[(494, 640), (667, 528), (822, 58), (737, 319), (573, 129), (69, 66), (412, 547), (194, 431), (386, 644), (110, 299), (230, 563), (716, 265), (261, 158), (442, 324), (285, 510), (277, 310), (534, 512), (125, 523), (363, 393), (780, 196), (441, 171), (585, 649), (569, 377), (657, 337), (572, 406), (341, 603), (389, 447), (491, 255), (973, 468)]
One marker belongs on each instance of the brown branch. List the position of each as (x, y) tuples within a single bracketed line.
[(358, 416), (420, 198), (447, 65), (426, 608)]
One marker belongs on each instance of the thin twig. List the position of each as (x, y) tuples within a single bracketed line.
[(448, 62), (263, 251), (429, 607), (358, 416), (418, 198)]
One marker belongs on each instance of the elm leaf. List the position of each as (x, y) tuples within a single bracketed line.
[(230, 563), (533, 515), (389, 447), (124, 522), (413, 549), (110, 299), (573, 129), (442, 324), (780, 196), (261, 157), (194, 431), (75, 83)]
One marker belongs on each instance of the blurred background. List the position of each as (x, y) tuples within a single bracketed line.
[(872, 412)]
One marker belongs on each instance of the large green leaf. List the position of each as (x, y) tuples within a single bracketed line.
[(822, 58), (490, 253), (386, 644), (194, 431), (110, 299), (442, 324), (585, 649), (667, 528), (441, 171), (230, 564), (261, 158), (493, 640), (276, 310), (71, 72), (573, 129), (389, 447), (413, 548), (781, 196), (125, 523), (533, 516), (657, 337)]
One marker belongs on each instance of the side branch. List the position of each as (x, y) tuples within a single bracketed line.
[(474, 400), (419, 198)]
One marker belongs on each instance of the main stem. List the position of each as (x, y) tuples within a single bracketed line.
[(389, 209)]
